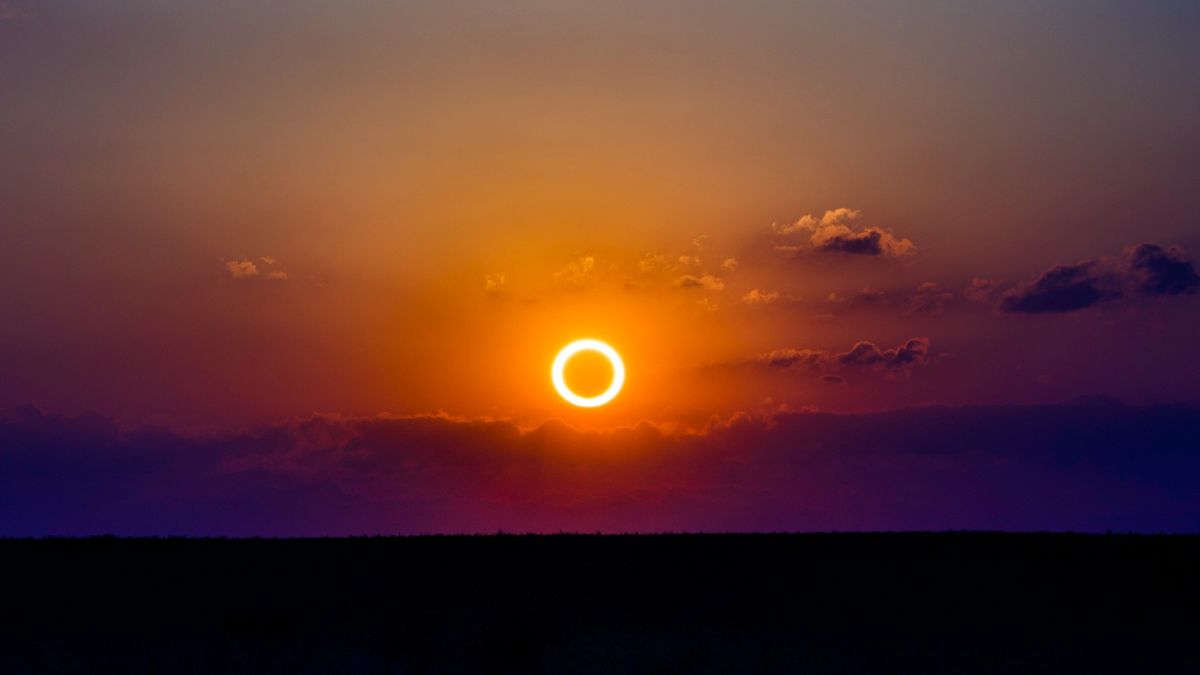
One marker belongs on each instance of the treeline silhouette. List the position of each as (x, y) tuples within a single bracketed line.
[(813, 603)]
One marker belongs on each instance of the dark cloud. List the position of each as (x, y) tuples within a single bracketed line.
[(1065, 288), (914, 352), (864, 297), (1092, 465), (1162, 271), (895, 361), (1147, 270), (867, 242)]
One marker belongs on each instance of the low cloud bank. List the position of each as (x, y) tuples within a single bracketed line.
[(1092, 465)]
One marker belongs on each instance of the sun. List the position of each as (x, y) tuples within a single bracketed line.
[(560, 364)]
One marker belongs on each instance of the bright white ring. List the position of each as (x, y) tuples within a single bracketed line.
[(560, 364)]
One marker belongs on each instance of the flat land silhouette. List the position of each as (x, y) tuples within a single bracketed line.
[(739, 603)]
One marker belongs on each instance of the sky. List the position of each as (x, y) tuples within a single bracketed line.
[(257, 254)]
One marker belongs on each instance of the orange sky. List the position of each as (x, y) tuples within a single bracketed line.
[(411, 209)]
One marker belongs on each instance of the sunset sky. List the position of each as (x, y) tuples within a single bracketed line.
[(258, 254)]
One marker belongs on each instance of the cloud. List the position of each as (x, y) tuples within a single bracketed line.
[(808, 223), (576, 273), (914, 352), (241, 269), (705, 281), (929, 298), (1148, 270), (865, 296), (648, 270), (808, 360), (245, 268), (1091, 465), (492, 283), (897, 361), (982, 290), (1064, 288), (837, 231), (757, 297), (1161, 271), (729, 265), (653, 262)]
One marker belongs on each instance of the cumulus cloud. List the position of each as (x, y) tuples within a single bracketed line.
[(757, 297), (245, 268), (1004, 467), (914, 352), (729, 265), (241, 269), (1156, 270), (839, 231), (1147, 270), (707, 282)]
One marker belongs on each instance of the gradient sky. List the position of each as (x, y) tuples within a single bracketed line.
[(218, 217)]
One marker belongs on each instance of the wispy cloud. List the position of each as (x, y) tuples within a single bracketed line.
[(894, 361), (577, 273)]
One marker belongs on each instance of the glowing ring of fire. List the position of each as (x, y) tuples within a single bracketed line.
[(560, 364)]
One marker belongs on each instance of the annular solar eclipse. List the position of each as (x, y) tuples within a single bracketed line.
[(560, 364)]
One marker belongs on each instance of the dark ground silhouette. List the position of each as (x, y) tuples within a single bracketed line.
[(843, 603)]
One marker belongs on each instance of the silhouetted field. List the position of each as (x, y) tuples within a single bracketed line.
[(842, 603)]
